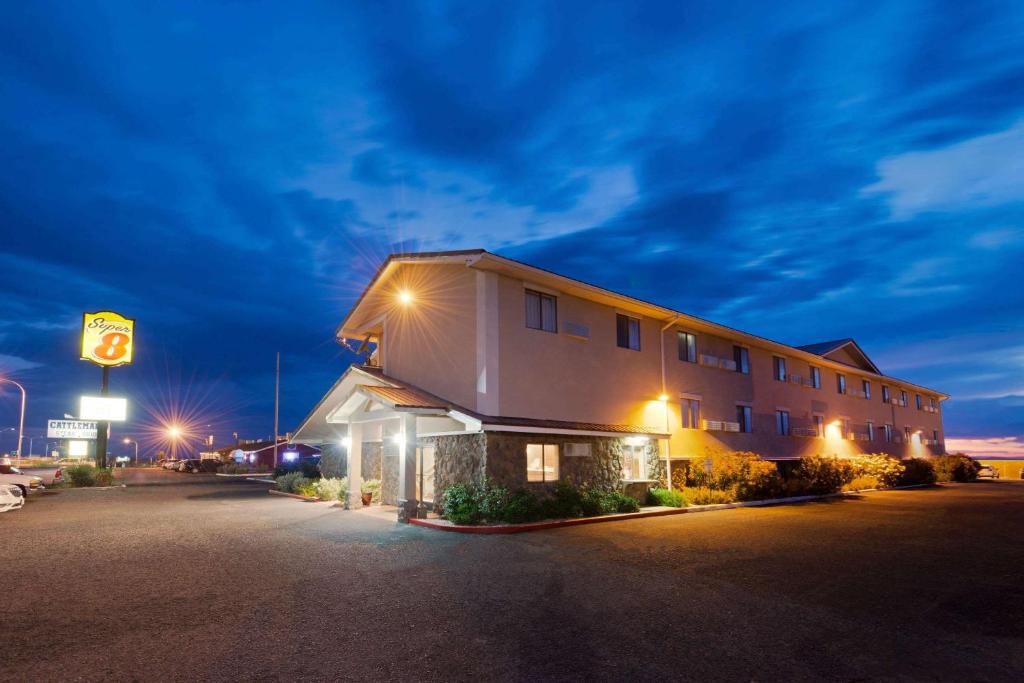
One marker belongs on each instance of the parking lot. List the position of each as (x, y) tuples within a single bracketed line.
[(206, 578)]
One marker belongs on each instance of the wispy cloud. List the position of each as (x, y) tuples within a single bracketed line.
[(996, 447)]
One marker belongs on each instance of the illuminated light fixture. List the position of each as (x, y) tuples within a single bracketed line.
[(347, 442), (663, 397), (405, 297), (833, 430), (397, 439), (103, 408), (174, 432), (291, 456), (78, 449), (635, 440), (126, 440)]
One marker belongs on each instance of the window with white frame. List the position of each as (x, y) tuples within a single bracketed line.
[(687, 347), (745, 418), (816, 377), (627, 332), (841, 383), (903, 399), (691, 413), (741, 356), (866, 387), (541, 462), (917, 398), (782, 422), (888, 432), (541, 311), (780, 368), (634, 458), (885, 394), (871, 430)]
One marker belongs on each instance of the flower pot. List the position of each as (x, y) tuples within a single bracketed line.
[(367, 498)]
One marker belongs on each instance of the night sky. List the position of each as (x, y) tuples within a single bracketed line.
[(230, 174)]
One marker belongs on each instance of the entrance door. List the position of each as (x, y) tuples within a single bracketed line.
[(425, 474)]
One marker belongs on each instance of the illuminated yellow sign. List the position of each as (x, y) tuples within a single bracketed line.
[(107, 338)]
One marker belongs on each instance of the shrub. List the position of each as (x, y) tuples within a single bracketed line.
[(885, 469), (862, 482), (704, 496), (520, 507), (566, 501), (817, 475), (956, 467), (668, 498), (459, 504), (290, 483), (307, 467), (917, 471), (80, 475), (371, 486), (308, 488), (745, 475), (332, 488), (104, 477)]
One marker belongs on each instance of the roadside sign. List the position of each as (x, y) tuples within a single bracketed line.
[(103, 408), (70, 429), (107, 338)]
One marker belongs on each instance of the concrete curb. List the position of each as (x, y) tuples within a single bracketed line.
[(307, 499), (88, 488), (262, 481), (444, 525), (247, 474)]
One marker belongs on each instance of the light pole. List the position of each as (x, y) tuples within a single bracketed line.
[(127, 441), (21, 421)]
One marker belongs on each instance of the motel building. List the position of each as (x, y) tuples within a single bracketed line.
[(476, 366)]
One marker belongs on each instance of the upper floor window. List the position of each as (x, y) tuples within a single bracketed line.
[(871, 430), (841, 383), (846, 427), (819, 425), (903, 398), (541, 462), (920, 405), (782, 422), (866, 386), (935, 435), (816, 377), (627, 331), (888, 433), (780, 368), (741, 355), (931, 402), (885, 394), (687, 347), (744, 418), (691, 413), (908, 434), (541, 311)]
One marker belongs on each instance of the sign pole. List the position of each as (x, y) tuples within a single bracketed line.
[(103, 428)]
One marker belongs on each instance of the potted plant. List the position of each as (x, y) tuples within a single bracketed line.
[(370, 490)]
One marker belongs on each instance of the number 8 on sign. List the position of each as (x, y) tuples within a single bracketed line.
[(114, 346)]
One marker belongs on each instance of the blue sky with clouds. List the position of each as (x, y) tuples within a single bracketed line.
[(231, 173)]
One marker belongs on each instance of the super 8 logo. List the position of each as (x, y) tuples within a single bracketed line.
[(107, 338)]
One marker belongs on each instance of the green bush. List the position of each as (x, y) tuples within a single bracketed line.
[(917, 471), (460, 505), (307, 467), (863, 482), (817, 475), (332, 488), (956, 467), (291, 482), (743, 474), (885, 469), (80, 475), (520, 507), (705, 496), (371, 486), (104, 477), (668, 498), (492, 501), (308, 488)]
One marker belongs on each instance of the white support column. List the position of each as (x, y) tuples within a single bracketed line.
[(407, 502), (355, 465)]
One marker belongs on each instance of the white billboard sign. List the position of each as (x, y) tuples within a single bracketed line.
[(78, 449), (104, 408), (70, 429)]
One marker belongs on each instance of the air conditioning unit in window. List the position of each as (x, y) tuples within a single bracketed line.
[(713, 425), (577, 450)]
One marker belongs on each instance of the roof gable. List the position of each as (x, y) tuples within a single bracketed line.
[(845, 351)]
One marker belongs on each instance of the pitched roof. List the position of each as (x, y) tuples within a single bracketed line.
[(821, 348), (827, 349), (405, 397)]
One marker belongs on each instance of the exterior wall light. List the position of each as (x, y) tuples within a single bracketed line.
[(346, 442), (405, 297), (663, 398)]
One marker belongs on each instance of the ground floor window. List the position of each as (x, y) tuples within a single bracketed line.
[(425, 474), (888, 433), (634, 462), (782, 422), (691, 413), (541, 462), (871, 430), (819, 426)]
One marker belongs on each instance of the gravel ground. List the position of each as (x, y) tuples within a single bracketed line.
[(215, 580)]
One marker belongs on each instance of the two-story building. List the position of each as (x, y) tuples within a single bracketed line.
[(477, 366)]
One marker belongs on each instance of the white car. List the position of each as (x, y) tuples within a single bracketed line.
[(11, 497), (28, 483)]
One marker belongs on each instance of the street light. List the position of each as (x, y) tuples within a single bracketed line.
[(21, 422), (128, 441)]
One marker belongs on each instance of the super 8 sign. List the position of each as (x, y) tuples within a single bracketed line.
[(107, 338)]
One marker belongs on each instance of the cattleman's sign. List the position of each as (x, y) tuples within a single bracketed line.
[(107, 338), (70, 429)]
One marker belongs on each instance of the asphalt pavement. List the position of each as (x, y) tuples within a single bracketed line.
[(207, 579)]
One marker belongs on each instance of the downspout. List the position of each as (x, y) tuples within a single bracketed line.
[(668, 429)]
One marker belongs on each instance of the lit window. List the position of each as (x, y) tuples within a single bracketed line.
[(841, 383), (871, 430), (815, 377), (634, 462), (741, 356), (917, 399), (819, 425), (691, 413), (907, 433), (782, 422), (541, 311), (743, 416), (885, 394), (687, 347), (541, 462), (627, 332), (780, 368), (866, 385)]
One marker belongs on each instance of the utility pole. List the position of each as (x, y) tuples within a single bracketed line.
[(21, 421), (277, 402)]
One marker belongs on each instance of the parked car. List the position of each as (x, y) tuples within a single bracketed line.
[(11, 497), (987, 472), (28, 483), (188, 465), (170, 464)]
